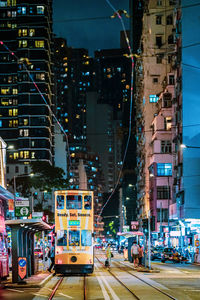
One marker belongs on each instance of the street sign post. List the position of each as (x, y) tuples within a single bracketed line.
[(22, 263), (22, 207)]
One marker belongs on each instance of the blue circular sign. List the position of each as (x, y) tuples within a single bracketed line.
[(22, 262)]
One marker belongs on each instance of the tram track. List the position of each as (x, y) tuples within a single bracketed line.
[(58, 283), (140, 279), (136, 297)]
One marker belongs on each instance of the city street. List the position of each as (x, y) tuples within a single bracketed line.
[(119, 282)]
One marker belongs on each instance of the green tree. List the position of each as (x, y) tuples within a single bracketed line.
[(47, 177)]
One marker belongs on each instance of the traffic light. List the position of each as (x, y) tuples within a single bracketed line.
[(35, 195), (145, 224), (153, 223)]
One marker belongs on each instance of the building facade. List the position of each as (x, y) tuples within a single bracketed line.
[(26, 83)]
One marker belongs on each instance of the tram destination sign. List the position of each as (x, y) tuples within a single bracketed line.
[(22, 207)]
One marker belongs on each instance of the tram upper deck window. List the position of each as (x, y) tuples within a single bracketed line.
[(60, 202), (74, 238), (87, 202), (74, 202), (61, 237), (86, 238)]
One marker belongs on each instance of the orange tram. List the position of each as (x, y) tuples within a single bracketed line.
[(74, 232)]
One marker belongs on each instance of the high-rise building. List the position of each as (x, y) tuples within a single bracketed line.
[(186, 117), (152, 69), (26, 82)]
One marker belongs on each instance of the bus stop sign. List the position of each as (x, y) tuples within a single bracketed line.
[(22, 267)]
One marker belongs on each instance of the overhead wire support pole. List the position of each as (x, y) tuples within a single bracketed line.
[(149, 239)]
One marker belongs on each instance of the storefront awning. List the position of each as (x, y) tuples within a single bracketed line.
[(130, 234)]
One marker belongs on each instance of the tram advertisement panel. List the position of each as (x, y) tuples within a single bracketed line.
[(73, 227)]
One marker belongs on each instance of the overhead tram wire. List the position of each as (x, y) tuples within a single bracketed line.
[(131, 105), (53, 115)]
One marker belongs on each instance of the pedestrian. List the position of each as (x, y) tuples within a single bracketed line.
[(140, 254), (47, 256), (135, 253), (52, 256), (108, 254)]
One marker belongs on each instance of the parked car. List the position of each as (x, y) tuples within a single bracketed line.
[(156, 253), (39, 253)]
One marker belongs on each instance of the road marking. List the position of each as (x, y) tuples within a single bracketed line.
[(191, 290), (115, 297), (65, 295), (13, 290), (45, 279), (105, 294), (36, 298)]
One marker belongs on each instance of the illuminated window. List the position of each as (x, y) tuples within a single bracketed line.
[(25, 122), (32, 154), (15, 123), (26, 154), (164, 169), (15, 112), (14, 14), (21, 154), (40, 76), (10, 123), (40, 10), (31, 32), (16, 155), (10, 112), (77, 116), (23, 44), (3, 3), (22, 32), (39, 44), (4, 91), (15, 91), (21, 10), (168, 123), (26, 132), (153, 98)]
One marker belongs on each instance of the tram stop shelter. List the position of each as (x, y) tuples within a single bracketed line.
[(131, 236), (22, 234)]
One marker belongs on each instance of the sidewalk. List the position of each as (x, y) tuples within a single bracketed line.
[(35, 281)]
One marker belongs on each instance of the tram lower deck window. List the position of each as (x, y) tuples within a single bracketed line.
[(74, 238), (62, 238), (74, 202), (86, 238)]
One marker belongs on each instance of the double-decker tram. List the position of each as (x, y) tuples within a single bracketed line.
[(74, 231)]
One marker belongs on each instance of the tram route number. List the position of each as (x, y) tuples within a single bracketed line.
[(22, 263)]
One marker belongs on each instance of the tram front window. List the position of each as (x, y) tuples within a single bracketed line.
[(86, 238), (74, 238), (74, 202), (60, 202), (87, 202), (62, 238)]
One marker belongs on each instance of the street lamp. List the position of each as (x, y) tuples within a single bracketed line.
[(183, 146)]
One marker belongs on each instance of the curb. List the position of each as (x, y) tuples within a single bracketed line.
[(148, 271), (27, 285)]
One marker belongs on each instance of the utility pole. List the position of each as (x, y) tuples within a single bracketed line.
[(168, 194), (149, 239)]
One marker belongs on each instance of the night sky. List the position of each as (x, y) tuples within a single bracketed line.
[(89, 34)]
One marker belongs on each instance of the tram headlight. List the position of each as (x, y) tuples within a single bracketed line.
[(73, 259)]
